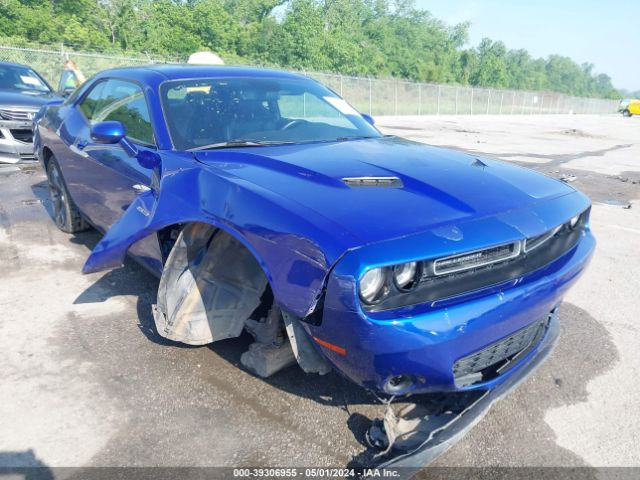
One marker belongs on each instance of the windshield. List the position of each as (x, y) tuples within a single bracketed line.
[(23, 79), (218, 112)]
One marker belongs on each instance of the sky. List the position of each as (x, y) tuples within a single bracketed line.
[(605, 33)]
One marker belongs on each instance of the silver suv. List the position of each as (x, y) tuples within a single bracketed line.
[(22, 93)]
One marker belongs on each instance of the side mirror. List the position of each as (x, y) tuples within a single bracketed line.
[(368, 118), (111, 132), (107, 132)]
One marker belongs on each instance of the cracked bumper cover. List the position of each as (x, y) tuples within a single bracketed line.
[(12, 150), (445, 436)]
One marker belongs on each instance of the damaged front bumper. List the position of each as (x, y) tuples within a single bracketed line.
[(421, 435), (429, 344), (16, 141)]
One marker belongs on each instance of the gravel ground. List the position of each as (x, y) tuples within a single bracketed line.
[(86, 381)]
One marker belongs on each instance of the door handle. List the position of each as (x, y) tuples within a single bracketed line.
[(139, 188)]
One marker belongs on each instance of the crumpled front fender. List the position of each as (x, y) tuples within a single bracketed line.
[(147, 214), (294, 246)]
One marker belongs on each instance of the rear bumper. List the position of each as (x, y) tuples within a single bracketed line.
[(424, 342), (12, 149)]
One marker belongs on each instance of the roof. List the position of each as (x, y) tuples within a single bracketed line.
[(185, 71), (12, 64)]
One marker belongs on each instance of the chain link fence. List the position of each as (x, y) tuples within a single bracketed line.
[(399, 97), (370, 95)]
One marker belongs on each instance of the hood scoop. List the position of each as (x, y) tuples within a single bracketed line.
[(363, 182)]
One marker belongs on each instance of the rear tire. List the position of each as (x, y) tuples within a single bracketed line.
[(66, 215), (626, 113)]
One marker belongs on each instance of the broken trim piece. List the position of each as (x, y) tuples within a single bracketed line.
[(307, 356), (443, 437)]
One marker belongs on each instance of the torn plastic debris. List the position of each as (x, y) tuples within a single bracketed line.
[(418, 433), (307, 356)]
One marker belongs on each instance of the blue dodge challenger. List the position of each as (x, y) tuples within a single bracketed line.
[(265, 202)]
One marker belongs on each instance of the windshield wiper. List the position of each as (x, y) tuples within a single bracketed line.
[(354, 137), (239, 143)]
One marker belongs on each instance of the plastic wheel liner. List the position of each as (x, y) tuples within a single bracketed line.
[(210, 286)]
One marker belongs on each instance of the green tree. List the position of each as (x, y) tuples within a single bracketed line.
[(361, 37), (491, 70)]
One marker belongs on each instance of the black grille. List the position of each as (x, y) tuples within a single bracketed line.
[(23, 135), (443, 278), (467, 261), (493, 360)]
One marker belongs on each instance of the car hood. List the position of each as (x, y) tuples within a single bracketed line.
[(15, 98), (438, 186)]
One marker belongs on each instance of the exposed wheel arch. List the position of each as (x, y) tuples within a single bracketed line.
[(210, 286), (295, 262), (46, 156), (168, 235), (213, 286)]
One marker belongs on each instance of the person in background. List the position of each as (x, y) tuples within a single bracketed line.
[(71, 77)]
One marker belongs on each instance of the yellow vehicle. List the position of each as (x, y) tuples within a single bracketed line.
[(629, 107)]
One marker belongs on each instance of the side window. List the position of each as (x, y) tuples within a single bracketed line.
[(122, 101), (90, 102)]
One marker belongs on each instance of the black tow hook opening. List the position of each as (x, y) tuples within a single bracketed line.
[(399, 384)]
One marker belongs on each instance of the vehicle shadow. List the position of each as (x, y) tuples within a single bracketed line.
[(24, 465)]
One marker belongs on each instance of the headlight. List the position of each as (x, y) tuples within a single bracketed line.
[(371, 283), (404, 274), (574, 221)]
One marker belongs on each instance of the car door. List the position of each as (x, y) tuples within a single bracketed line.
[(80, 175), (104, 179), (113, 177)]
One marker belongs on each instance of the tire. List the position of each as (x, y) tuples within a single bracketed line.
[(65, 214), (626, 113)]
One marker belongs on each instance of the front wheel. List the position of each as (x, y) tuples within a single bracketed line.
[(65, 213), (626, 113)]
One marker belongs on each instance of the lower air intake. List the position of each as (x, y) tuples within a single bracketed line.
[(495, 359)]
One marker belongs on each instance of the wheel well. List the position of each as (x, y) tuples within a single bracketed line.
[(46, 156), (167, 239), (168, 236), (211, 285)]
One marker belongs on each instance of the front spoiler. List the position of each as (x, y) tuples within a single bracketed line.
[(445, 436)]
